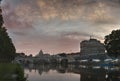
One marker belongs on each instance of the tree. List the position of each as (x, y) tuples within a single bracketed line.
[(7, 49), (63, 54), (112, 43)]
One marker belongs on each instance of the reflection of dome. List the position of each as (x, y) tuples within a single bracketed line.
[(92, 46), (40, 72)]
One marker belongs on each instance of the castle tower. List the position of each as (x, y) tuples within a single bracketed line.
[(91, 46)]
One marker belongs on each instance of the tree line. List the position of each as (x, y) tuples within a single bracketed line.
[(7, 48), (112, 43)]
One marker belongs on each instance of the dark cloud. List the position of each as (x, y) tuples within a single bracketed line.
[(58, 25), (19, 33), (94, 11), (14, 21)]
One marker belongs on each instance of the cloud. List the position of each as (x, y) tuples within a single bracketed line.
[(58, 25), (101, 15), (25, 13), (18, 33), (12, 20)]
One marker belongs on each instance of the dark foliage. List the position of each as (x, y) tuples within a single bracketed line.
[(62, 55), (112, 43), (7, 49)]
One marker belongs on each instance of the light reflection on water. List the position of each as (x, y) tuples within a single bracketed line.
[(70, 73), (52, 75)]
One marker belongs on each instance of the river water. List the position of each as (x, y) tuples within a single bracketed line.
[(71, 73), (52, 76)]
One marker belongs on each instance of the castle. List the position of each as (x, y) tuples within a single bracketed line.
[(92, 49), (91, 46)]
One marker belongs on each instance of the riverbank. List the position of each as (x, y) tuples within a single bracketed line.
[(11, 72)]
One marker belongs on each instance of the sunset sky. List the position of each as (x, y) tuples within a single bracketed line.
[(57, 26)]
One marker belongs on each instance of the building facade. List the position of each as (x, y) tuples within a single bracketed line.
[(91, 47)]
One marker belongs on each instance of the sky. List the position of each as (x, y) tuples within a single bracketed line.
[(58, 26)]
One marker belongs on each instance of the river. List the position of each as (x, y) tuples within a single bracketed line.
[(71, 73)]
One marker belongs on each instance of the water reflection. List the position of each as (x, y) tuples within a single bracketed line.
[(71, 72), (11, 72)]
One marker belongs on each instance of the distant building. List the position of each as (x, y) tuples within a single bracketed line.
[(92, 49), (42, 56), (91, 46), (40, 53)]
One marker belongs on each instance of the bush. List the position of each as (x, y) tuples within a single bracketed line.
[(7, 70)]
